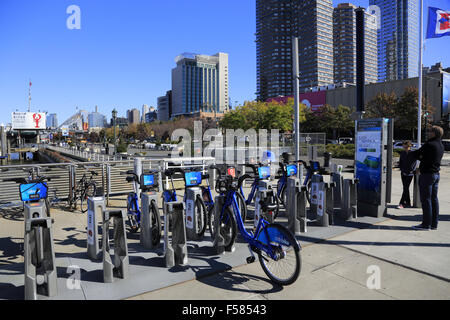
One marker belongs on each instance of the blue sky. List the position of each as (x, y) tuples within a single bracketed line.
[(123, 55)]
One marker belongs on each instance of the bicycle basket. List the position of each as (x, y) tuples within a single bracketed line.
[(33, 191)]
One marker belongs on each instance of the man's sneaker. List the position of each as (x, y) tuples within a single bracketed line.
[(421, 227), (433, 228), (400, 206)]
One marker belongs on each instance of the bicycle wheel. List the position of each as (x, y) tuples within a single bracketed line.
[(156, 225), (242, 206), (277, 208), (202, 217), (285, 268), (308, 192), (88, 192), (227, 227), (132, 210)]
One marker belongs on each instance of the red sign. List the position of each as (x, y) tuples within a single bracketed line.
[(37, 117)]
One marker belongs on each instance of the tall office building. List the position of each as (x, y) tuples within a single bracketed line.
[(200, 83), (277, 21), (133, 116), (344, 40), (145, 110), (52, 120), (398, 38)]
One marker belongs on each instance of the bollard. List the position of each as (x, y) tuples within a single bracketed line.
[(192, 220), (349, 204), (338, 180), (416, 192), (312, 153), (146, 236), (121, 262), (39, 253), (179, 235), (96, 206), (218, 240), (296, 209)]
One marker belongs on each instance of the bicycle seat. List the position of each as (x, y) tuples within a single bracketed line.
[(130, 179), (94, 173)]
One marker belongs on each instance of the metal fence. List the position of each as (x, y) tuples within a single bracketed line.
[(64, 176), (89, 156)]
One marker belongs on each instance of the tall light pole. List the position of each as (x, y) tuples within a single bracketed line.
[(114, 115), (295, 72), (419, 116)]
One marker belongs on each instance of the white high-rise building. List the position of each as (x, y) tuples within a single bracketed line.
[(200, 83), (145, 110)]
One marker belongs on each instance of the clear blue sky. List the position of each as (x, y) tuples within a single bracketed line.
[(123, 55)]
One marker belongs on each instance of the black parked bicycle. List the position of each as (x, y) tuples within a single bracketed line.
[(84, 189)]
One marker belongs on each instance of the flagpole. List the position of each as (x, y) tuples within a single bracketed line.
[(419, 115)]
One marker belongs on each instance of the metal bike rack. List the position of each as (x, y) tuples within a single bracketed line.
[(96, 206), (39, 261), (175, 249), (296, 209), (325, 208), (349, 206), (265, 191), (314, 196), (121, 262), (218, 240), (192, 220), (338, 179), (145, 236)]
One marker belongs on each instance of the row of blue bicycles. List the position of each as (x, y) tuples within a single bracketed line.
[(277, 249)]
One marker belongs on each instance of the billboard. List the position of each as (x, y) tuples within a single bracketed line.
[(313, 100), (445, 94), (28, 121), (65, 132)]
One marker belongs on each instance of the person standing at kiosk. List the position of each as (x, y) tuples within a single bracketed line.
[(430, 156), (407, 168)]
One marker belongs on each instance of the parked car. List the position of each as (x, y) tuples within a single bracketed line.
[(346, 140)]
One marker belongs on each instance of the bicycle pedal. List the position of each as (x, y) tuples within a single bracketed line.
[(250, 259)]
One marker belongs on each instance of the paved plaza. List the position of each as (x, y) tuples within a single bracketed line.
[(336, 261)]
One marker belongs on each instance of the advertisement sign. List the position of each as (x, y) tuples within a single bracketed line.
[(313, 100), (28, 121), (445, 94), (320, 203), (190, 214), (368, 159), (65, 132), (90, 227), (314, 192)]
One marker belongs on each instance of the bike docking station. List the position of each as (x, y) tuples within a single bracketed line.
[(175, 247), (218, 240), (296, 209), (39, 252), (263, 197), (120, 267), (373, 144), (96, 207), (149, 199), (192, 180)]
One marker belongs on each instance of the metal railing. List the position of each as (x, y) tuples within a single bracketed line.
[(86, 155), (65, 176)]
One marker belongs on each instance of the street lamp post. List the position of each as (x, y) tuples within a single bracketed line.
[(114, 115)]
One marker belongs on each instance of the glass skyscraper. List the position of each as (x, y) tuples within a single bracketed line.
[(398, 38)]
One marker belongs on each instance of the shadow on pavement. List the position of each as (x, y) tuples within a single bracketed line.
[(10, 250)]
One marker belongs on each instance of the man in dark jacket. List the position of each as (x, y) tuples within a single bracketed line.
[(430, 156), (407, 168)]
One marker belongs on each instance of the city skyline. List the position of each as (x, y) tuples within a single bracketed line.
[(112, 61)]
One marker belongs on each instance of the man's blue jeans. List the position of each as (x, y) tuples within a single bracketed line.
[(428, 185)]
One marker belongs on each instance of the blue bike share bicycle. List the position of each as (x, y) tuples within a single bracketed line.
[(277, 249), (147, 183)]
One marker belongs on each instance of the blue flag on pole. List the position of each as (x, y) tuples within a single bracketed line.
[(438, 23)]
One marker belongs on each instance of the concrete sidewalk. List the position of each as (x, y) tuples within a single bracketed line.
[(413, 264)]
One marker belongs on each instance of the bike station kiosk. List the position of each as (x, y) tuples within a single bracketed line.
[(371, 166), (148, 198), (296, 202), (39, 253), (96, 207), (264, 195)]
